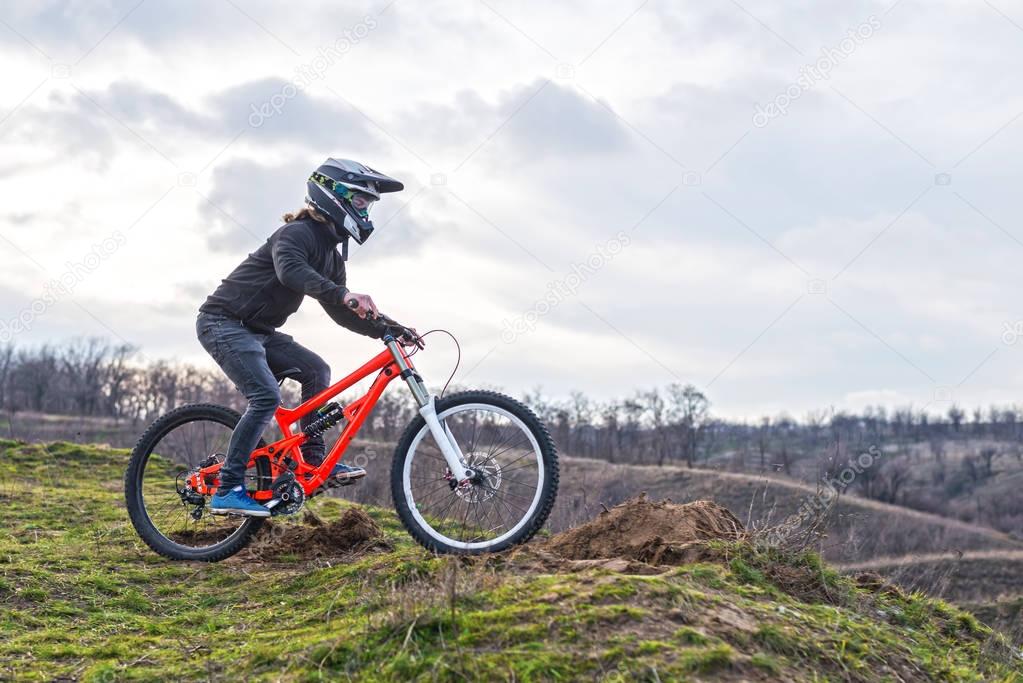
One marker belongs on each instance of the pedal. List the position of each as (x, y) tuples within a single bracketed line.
[(234, 513), (228, 513)]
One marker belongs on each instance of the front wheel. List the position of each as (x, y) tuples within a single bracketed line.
[(508, 500)]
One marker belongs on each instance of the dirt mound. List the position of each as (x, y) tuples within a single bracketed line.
[(661, 533), (354, 533)]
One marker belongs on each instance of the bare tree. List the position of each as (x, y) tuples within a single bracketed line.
[(955, 416), (691, 407), (987, 456)]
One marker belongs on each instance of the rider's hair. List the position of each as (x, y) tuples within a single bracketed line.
[(304, 213)]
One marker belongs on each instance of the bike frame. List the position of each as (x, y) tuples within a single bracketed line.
[(286, 454)]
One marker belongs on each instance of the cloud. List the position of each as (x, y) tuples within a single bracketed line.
[(530, 124), (547, 120), (89, 122), (69, 30), (275, 111), (248, 198)]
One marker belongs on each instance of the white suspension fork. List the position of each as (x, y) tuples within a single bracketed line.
[(427, 408), (445, 441)]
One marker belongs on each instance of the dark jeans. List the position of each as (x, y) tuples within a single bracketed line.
[(250, 359)]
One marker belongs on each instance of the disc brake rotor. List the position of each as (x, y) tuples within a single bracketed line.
[(486, 479)]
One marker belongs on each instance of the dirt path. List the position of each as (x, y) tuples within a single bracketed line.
[(933, 558)]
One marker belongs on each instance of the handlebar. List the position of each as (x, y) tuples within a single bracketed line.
[(391, 327)]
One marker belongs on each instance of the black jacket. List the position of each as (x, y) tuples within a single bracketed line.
[(300, 259)]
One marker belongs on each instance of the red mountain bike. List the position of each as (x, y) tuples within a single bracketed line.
[(475, 472)]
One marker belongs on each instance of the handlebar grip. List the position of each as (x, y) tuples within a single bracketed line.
[(378, 318), (354, 305)]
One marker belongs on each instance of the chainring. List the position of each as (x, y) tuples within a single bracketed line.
[(291, 495)]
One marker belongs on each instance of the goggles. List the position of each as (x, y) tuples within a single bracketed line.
[(360, 201)]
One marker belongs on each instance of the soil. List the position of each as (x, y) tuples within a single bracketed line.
[(202, 537), (641, 536), (354, 533), (654, 533)]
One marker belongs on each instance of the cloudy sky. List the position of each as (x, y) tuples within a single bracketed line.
[(792, 205)]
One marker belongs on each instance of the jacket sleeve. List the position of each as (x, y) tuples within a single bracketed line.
[(347, 318), (291, 255), (344, 316)]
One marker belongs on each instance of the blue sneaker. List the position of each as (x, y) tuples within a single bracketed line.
[(346, 474), (237, 503)]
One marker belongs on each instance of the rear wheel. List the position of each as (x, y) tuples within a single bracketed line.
[(515, 482), (172, 520)]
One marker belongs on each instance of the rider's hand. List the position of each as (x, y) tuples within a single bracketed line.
[(410, 337), (362, 304)]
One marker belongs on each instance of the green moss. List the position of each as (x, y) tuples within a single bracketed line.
[(690, 636), (746, 573), (614, 590), (649, 647), (777, 639), (705, 659), (766, 662)]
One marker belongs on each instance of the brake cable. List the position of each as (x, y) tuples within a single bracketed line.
[(458, 359), (379, 317)]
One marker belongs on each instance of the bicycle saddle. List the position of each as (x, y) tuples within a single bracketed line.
[(290, 373)]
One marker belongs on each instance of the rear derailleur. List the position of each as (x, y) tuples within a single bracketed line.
[(188, 494)]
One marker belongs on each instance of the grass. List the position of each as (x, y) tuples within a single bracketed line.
[(81, 598)]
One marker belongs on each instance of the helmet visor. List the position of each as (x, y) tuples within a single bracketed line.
[(362, 202)]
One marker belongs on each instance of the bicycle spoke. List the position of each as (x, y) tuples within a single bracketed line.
[(507, 467), (185, 446), (498, 494), (509, 447), (498, 445), (475, 424)]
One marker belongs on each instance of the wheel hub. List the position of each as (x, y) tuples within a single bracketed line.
[(484, 480)]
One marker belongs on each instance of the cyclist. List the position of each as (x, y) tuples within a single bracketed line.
[(238, 324)]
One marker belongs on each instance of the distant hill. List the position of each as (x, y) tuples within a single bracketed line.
[(963, 476), (976, 576)]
